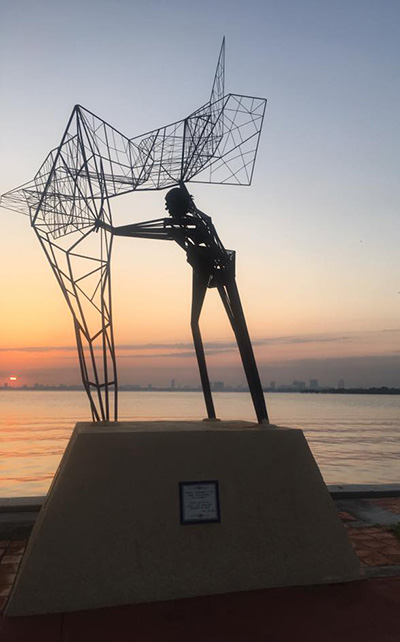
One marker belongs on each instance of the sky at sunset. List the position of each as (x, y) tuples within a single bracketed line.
[(316, 235)]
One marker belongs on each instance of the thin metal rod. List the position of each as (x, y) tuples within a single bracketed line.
[(230, 297), (200, 283)]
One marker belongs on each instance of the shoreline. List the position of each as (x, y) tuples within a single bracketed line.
[(283, 389)]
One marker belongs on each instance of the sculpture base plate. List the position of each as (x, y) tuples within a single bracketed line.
[(111, 529)]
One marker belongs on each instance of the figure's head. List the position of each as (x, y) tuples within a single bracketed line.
[(178, 202)]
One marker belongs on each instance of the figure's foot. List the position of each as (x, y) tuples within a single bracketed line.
[(211, 419)]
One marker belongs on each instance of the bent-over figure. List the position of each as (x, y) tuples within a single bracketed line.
[(213, 267)]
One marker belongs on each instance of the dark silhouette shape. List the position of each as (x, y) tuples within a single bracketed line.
[(94, 163), (213, 267)]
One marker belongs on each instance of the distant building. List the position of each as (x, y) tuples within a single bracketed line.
[(218, 386), (299, 385), (313, 384), (173, 384), (272, 385), (340, 383)]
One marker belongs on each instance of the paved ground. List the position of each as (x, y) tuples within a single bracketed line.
[(364, 611), (371, 526)]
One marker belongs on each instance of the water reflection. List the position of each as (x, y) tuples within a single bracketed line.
[(354, 438)]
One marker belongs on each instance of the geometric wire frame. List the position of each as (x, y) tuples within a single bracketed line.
[(93, 164)]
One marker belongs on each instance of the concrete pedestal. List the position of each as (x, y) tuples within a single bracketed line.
[(110, 531)]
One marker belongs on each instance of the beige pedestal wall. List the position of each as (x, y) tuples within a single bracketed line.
[(110, 532)]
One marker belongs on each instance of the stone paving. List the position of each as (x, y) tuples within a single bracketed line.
[(11, 553), (375, 544), (389, 503)]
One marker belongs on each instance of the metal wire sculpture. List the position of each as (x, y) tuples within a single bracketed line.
[(69, 199)]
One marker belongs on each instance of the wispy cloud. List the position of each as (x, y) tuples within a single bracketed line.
[(368, 370), (185, 348), (39, 349), (181, 354), (182, 349)]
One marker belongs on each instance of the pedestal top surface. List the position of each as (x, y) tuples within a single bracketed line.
[(175, 426)]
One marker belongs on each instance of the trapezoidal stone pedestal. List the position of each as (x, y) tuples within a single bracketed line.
[(124, 523)]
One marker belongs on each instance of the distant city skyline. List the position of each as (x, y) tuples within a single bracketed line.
[(376, 371), (216, 386)]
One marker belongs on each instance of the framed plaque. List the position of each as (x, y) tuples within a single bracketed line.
[(199, 502)]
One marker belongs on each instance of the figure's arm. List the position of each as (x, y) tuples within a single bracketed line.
[(154, 229)]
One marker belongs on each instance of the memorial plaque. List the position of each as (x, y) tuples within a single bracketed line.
[(199, 502)]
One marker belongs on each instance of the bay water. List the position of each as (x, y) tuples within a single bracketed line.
[(355, 439)]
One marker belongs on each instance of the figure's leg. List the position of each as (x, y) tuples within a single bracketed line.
[(200, 284), (230, 297)]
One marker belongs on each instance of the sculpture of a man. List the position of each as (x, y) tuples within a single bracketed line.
[(213, 267)]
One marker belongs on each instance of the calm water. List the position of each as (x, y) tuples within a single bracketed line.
[(354, 438)]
